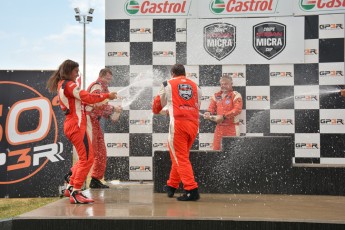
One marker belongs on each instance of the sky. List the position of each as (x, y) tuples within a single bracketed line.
[(41, 34)]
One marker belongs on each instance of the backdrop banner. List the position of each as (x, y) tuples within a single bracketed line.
[(245, 41), (134, 9), (244, 8), (34, 153), (314, 7)]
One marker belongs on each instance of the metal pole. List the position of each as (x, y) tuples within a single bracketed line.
[(84, 52)]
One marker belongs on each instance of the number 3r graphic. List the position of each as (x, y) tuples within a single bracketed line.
[(28, 132)]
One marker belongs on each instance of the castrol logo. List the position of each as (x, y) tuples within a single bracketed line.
[(157, 7), (322, 5), (243, 6)]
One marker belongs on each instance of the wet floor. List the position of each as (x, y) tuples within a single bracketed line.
[(137, 201)]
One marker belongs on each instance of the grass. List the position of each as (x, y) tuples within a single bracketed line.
[(11, 207)]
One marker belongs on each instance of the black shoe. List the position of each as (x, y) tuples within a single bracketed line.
[(190, 195), (94, 183), (67, 176), (169, 190)]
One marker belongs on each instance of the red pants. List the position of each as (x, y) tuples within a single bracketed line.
[(82, 143), (99, 149), (224, 131), (181, 138)]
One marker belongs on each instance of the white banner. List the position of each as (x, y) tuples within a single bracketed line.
[(132, 9), (244, 8), (307, 145), (117, 144), (140, 168), (308, 7), (245, 41), (332, 120)]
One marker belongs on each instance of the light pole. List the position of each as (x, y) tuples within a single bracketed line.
[(85, 19)]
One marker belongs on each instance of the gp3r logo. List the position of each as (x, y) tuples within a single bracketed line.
[(140, 168), (332, 121), (28, 132), (206, 145), (50, 151)]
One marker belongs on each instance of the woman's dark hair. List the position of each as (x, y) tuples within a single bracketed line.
[(63, 73)]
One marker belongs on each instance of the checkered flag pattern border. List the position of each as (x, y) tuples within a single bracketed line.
[(298, 100)]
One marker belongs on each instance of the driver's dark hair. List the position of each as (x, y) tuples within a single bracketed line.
[(178, 70)]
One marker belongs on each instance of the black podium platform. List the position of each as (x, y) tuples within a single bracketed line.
[(253, 165)]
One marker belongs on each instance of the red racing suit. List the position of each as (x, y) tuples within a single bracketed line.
[(94, 115), (230, 106), (72, 100), (182, 98)]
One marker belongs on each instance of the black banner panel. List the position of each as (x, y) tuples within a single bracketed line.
[(34, 153)]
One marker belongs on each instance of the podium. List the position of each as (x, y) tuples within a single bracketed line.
[(253, 165)]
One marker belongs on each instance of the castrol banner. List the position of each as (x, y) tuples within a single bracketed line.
[(34, 153), (311, 7), (131, 9), (244, 8), (245, 41)]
